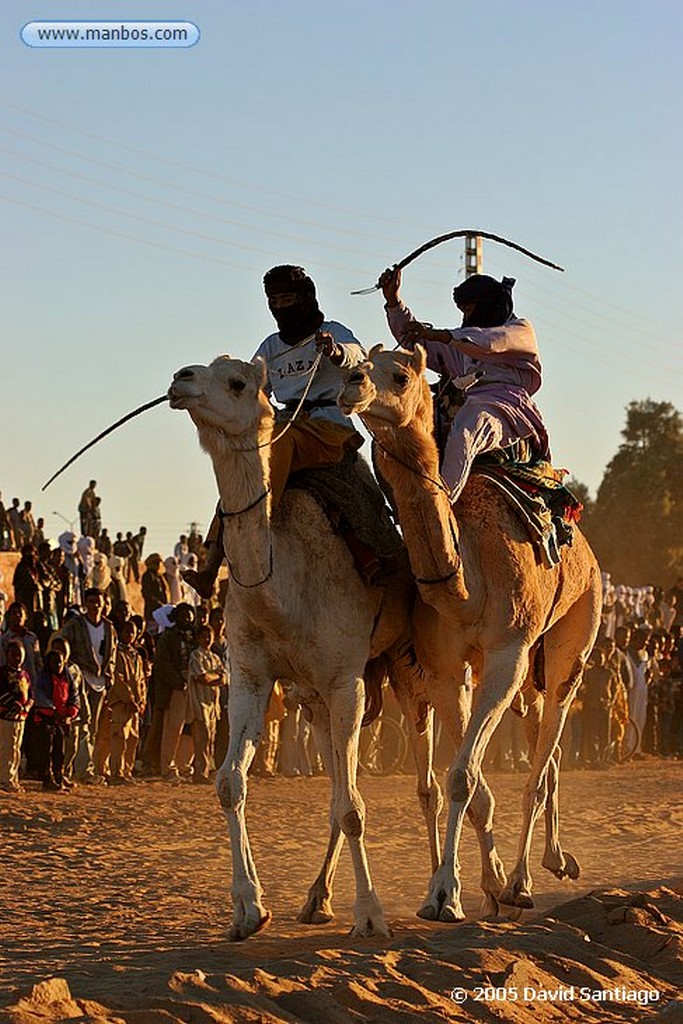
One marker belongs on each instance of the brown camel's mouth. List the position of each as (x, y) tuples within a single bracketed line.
[(355, 397)]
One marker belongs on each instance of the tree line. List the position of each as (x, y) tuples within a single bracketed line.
[(635, 522)]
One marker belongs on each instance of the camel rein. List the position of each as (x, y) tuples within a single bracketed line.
[(257, 501), (439, 484), (312, 372), (425, 581), (259, 583)]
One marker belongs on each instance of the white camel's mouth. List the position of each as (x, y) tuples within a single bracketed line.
[(181, 396)]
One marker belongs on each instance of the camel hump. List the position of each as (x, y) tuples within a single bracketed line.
[(351, 498)]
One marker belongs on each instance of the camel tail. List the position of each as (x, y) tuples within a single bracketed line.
[(374, 676), (539, 666)]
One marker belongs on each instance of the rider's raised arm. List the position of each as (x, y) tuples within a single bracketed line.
[(398, 317)]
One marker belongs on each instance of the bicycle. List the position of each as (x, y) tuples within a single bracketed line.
[(383, 746), (619, 753)]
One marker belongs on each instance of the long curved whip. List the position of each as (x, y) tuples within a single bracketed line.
[(461, 234), (119, 423), (164, 398)]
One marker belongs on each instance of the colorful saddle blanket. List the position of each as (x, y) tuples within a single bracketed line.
[(537, 492)]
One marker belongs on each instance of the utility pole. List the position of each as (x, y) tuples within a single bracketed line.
[(473, 255)]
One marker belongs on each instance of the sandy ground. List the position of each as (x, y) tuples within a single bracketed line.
[(123, 896)]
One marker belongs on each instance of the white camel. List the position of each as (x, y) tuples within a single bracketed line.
[(497, 607), (297, 609)]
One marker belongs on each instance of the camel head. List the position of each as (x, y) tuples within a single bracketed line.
[(389, 388), (224, 399)]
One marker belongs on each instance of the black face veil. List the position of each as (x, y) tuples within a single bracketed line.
[(298, 321), (492, 300)]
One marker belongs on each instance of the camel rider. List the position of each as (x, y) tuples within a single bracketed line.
[(320, 435), (493, 356)]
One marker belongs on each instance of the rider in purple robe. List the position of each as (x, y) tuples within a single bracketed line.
[(492, 357)]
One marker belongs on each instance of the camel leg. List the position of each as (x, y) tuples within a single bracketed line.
[(561, 863), (346, 712), (247, 708), (422, 747), (429, 793), (318, 906), (455, 715), (503, 672), (540, 791), (567, 647), (493, 876)]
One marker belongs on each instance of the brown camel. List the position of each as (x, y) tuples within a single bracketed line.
[(495, 604)]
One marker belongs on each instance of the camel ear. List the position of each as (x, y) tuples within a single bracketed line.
[(375, 348), (419, 359), (261, 373)]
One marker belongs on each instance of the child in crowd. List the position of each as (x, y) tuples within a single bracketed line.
[(126, 700), (15, 703), (78, 728), (57, 706), (206, 673)]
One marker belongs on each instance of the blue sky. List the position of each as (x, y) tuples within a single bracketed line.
[(144, 193)]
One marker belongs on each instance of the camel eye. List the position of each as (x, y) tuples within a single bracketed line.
[(237, 385), (401, 379)]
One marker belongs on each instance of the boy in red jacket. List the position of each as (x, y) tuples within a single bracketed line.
[(57, 705)]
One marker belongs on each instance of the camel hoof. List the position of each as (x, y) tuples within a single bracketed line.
[(489, 906), (315, 915), (513, 914), (240, 932), (572, 868), (512, 897), (370, 930), (568, 867), (451, 915)]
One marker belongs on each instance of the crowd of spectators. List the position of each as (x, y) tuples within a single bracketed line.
[(91, 692), (634, 676), (18, 526), (630, 702)]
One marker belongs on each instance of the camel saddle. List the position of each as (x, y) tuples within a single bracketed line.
[(351, 499), (536, 491)]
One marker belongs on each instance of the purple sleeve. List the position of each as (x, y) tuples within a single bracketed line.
[(445, 358), (515, 338), (441, 357), (397, 318)]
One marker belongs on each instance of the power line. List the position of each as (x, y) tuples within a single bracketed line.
[(599, 315), (195, 169), (119, 169), (128, 238), (158, 202), (216, 199)]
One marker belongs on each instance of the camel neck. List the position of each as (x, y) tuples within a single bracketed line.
[(242, 475), (428, 525)]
